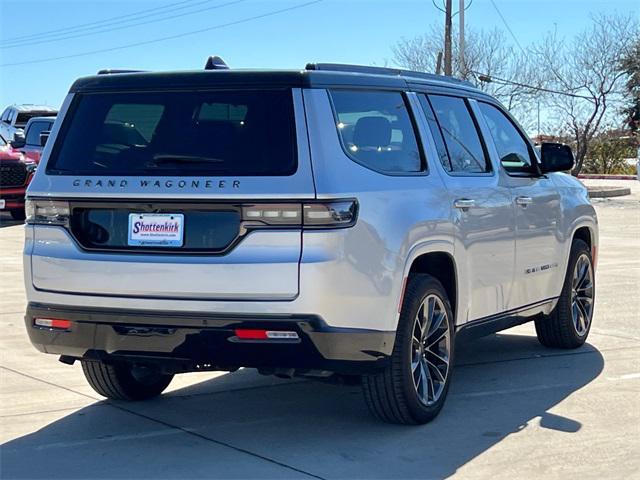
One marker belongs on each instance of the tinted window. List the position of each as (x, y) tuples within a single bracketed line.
[(460, 135), (513, 150), (235, 133), (376, 130), (24, 117), (35, 129), (435, 133)]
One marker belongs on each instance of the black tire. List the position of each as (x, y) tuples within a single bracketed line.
[(18, 214), (391, 394), (558, 330), (124, 381)]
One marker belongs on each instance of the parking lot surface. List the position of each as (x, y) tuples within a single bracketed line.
[(515, 409)]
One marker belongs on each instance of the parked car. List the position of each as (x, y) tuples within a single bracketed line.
[(15, 117), (340, 220), (36, 133), (15, 174)]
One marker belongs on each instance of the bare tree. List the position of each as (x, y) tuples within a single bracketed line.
[(587, 70), (631, 66), (488, 55)]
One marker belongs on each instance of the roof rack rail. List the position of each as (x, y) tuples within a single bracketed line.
[(214, 62), (341, 67), (110, 71)]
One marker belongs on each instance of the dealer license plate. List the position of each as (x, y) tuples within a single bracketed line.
[(156, 229)]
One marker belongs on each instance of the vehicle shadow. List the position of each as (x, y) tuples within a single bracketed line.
[(502, 385), (7, 221)]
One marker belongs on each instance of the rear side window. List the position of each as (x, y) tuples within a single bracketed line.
[(237, 133), (377, 131), (514, 151), (466, 152)]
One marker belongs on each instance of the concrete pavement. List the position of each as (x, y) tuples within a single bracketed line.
[(515, 409)]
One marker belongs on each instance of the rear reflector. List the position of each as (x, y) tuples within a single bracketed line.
[(248, 334), (52, 323)]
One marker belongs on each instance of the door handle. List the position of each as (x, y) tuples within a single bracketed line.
[(464, 203), (524, 201)]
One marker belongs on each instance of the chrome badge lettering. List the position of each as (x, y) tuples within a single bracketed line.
[(165, 184)]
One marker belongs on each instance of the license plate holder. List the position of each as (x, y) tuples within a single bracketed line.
[(156, 230)]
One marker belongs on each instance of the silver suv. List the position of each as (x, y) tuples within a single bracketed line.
[(335, 221), (15, 118)]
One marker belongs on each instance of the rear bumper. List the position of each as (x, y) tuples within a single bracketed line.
[(186, 342)]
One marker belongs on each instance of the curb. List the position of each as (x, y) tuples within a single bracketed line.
[(608, 192), (594, 176)]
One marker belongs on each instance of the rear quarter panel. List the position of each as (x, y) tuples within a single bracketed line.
[(400, 217)]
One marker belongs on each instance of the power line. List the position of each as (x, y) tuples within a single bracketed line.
[(162, 39), (83, 26), (483, 77), (515, 39), (112, 29)]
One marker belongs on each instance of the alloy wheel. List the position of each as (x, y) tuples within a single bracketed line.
[(582, 295), (430, 352)]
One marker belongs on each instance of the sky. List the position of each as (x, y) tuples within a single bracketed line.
[(337, 31)]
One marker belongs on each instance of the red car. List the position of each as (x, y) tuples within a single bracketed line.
[(16, 172)]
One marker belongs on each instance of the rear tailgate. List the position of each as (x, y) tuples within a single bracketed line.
[(186, 167)]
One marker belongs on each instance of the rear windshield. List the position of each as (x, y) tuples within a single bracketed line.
[(238, 133), (24, 117)]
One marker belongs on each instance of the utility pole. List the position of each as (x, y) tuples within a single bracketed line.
[(447, 38), (463, 66)]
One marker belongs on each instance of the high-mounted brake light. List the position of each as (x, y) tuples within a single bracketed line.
[(56, 323)]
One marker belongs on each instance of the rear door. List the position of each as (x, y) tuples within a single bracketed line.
[(176, 194), (537, 207), (481, 206)]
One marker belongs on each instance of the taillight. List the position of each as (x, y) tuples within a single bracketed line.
[(273, 213), (47, 212), (329, 214)]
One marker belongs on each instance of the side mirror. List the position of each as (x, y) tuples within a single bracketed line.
[(18, 141), (44, 136), (555, 157)]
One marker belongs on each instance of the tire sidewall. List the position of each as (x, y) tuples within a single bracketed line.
[(577, 250), (425, 285)]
